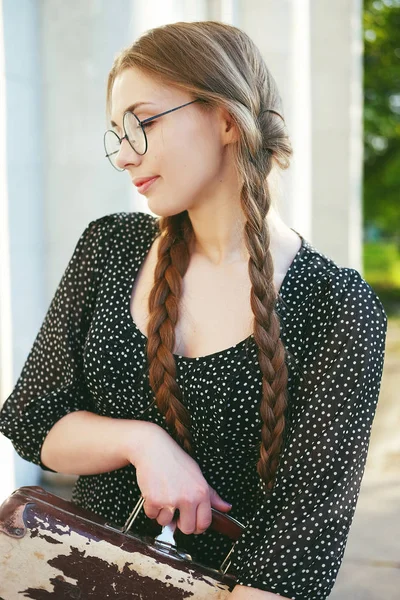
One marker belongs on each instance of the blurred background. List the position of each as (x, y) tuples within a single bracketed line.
[(337, 65)]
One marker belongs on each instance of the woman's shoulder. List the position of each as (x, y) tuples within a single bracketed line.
[(121, 227), (126, 221), (332, 284), (316, 281)]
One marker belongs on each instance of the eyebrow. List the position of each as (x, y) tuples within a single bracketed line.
[(132, 108)]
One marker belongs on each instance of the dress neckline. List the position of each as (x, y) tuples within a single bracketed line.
[(179, 357)]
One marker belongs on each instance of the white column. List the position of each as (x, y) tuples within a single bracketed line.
[(7, 482), (79, 41), (300, 202), (25, 191), (223, 10), (336, 39), (281, 31)]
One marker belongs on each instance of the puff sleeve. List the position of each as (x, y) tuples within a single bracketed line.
[(51, 383), (295, 540)]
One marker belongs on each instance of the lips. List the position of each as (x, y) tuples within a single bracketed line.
[(141, 180), (144, 183)]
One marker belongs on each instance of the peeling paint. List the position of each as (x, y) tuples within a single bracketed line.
[(67, 556)]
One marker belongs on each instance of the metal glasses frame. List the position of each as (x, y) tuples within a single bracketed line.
[(141, 124)]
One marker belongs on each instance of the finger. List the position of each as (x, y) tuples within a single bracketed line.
[(217, 502), (166, 515), (203, 517), (187, 519), (151, 510)]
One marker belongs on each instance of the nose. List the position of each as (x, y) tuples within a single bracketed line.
[(126, 155)]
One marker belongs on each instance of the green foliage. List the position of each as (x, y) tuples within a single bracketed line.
[(382, 261), (382, 116), (382, 271)]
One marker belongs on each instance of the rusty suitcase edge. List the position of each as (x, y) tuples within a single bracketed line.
[(52, 549)]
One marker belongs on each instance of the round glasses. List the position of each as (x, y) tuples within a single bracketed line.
[(134, 131)]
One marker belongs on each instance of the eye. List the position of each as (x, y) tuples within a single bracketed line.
[(146, 125)]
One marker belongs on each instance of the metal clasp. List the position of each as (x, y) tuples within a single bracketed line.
[(132, 517), (224, 568)]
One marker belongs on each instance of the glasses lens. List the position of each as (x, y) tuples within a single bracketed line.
[(112, 146), (135, 133)]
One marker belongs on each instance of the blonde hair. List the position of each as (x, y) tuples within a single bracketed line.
[(220, 65)]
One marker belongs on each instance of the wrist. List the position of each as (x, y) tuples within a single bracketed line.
[(137, 435)]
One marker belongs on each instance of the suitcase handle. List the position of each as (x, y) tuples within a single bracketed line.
[(221, 523)]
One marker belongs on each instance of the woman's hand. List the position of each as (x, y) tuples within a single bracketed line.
[(170, 479)]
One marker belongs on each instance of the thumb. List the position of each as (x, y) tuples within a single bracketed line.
[(217, 502)]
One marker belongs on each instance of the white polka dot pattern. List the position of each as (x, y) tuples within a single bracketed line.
[(90, 355)]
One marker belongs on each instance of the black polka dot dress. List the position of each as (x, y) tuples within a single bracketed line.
[(90, 355)]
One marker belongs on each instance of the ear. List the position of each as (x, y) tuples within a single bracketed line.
[(229, 131)]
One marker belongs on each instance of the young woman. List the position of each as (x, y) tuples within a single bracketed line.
[(208, 355)]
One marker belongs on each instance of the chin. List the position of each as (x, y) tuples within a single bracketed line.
[(165, 210)]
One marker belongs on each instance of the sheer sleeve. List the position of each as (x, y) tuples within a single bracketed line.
[(294, 543), (51, 383)]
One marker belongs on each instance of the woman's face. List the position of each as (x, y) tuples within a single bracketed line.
[(187, 148)]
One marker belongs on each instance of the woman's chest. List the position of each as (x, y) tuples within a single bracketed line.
[(221, 392), (214, 306)]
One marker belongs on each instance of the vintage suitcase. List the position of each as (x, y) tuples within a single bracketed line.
[(52, 549)]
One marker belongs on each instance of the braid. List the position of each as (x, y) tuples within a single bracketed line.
[(172, 264), (271, 351)]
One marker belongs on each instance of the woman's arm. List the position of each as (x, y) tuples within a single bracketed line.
[(243, 592), (83, 443), (294, 544), (52, 383)]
